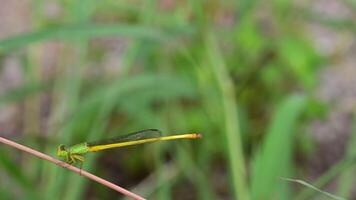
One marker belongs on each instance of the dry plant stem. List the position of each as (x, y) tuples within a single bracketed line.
[(70, 167)]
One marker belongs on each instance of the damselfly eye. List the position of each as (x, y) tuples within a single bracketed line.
[(61, 149)]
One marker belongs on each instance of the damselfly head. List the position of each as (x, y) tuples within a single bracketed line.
[(61, 151)]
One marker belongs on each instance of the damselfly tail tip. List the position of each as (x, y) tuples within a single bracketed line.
[(197, 135)]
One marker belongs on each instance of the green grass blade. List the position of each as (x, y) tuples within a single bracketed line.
[(308, 185), (347, 177), (23, 91), (335, 170), (83, 31), (5, 194), (232, 129), (274, 158), (17, 176)]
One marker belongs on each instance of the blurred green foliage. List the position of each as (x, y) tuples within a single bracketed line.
[(241, 73)]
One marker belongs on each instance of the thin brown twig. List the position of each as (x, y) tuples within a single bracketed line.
[(72, 168)]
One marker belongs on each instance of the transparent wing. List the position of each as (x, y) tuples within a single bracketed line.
[(139, 135)]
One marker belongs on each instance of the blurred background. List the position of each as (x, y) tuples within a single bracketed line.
[(270, 85)]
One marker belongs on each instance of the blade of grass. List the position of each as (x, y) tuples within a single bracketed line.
[(147, 16), (331, 22), (24, 91), (308, 185), (335, 170), (11, 170), (232, 129), (347, 177), (17, 176), (188, 154), (195, 174), (5, 193), (84, 31), (275, 156), (147, 187)]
